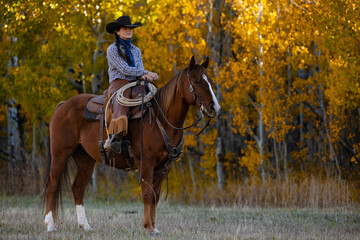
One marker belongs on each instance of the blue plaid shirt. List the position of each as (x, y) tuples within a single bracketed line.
[(119, 68)]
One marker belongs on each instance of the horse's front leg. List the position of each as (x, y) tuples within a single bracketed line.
[(147, 192), (157, 188)]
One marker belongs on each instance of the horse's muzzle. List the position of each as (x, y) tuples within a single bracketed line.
[(211, 112)]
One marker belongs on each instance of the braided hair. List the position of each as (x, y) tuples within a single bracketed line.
[(117, 44)]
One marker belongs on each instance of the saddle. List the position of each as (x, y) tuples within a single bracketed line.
[(93, 108)]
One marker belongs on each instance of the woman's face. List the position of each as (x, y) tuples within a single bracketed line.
[(125, 33)]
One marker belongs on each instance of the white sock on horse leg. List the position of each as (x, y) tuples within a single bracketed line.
[(49, 221), (81, 217)]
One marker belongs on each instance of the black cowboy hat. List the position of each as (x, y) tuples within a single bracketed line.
[(123, 21)]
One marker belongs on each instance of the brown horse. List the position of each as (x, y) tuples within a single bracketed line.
[(73, 136)]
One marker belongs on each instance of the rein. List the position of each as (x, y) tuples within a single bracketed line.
[(184, 128)]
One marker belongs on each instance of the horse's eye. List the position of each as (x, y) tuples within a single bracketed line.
[(197, 81)]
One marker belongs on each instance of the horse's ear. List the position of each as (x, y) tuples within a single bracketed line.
[(205, 64), (192, 63)]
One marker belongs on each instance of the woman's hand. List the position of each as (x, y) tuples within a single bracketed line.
[(153, 75), (147, 77), (150, 77)]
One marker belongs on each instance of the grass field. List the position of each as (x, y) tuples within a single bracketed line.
[(22, 218)]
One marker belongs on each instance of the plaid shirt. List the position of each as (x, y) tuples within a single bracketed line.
[(119, 68)]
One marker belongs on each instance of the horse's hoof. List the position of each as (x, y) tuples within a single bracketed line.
[(85, 227), (154, 232), (51, 230)]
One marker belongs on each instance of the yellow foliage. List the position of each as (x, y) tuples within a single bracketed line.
[(2, 115), (209, 159), (251, 159)]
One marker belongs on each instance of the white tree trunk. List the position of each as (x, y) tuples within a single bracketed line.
[(261, 138), (192, 174), (33, 152), (219, 165)]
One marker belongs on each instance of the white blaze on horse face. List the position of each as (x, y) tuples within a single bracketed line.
[(49, 221), (216, 103), (81, 217)]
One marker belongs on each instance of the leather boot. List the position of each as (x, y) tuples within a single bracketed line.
[(119, 122)]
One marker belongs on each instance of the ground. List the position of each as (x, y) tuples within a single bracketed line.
[(22, 218)]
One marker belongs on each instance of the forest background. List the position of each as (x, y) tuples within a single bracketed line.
[(286, 73)]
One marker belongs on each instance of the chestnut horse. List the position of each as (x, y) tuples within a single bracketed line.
[(73, 136)]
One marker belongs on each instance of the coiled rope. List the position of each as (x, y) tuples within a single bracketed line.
[(137, 101)]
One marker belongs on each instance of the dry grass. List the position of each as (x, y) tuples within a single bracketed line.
[(310, 192), (299, 190), (21, 218)]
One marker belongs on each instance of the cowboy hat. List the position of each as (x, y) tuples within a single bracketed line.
[(123, 21)]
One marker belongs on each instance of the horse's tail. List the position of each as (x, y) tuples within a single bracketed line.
[(65, 179), (47, 172)]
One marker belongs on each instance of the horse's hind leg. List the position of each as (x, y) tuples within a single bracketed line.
[(85, 165), (53, 189)]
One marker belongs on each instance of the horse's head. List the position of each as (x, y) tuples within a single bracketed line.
[(199, 91)]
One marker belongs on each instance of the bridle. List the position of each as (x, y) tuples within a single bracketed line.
[(196, 98), (191, 89)]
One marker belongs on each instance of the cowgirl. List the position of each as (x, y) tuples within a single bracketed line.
[(125, 64)]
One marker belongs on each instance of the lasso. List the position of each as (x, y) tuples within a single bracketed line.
[(137, 101)]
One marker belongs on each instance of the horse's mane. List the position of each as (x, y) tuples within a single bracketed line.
[(166, 95)]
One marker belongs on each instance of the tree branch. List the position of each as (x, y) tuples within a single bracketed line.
[(299, 6), (253, 103), (195, 151)]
